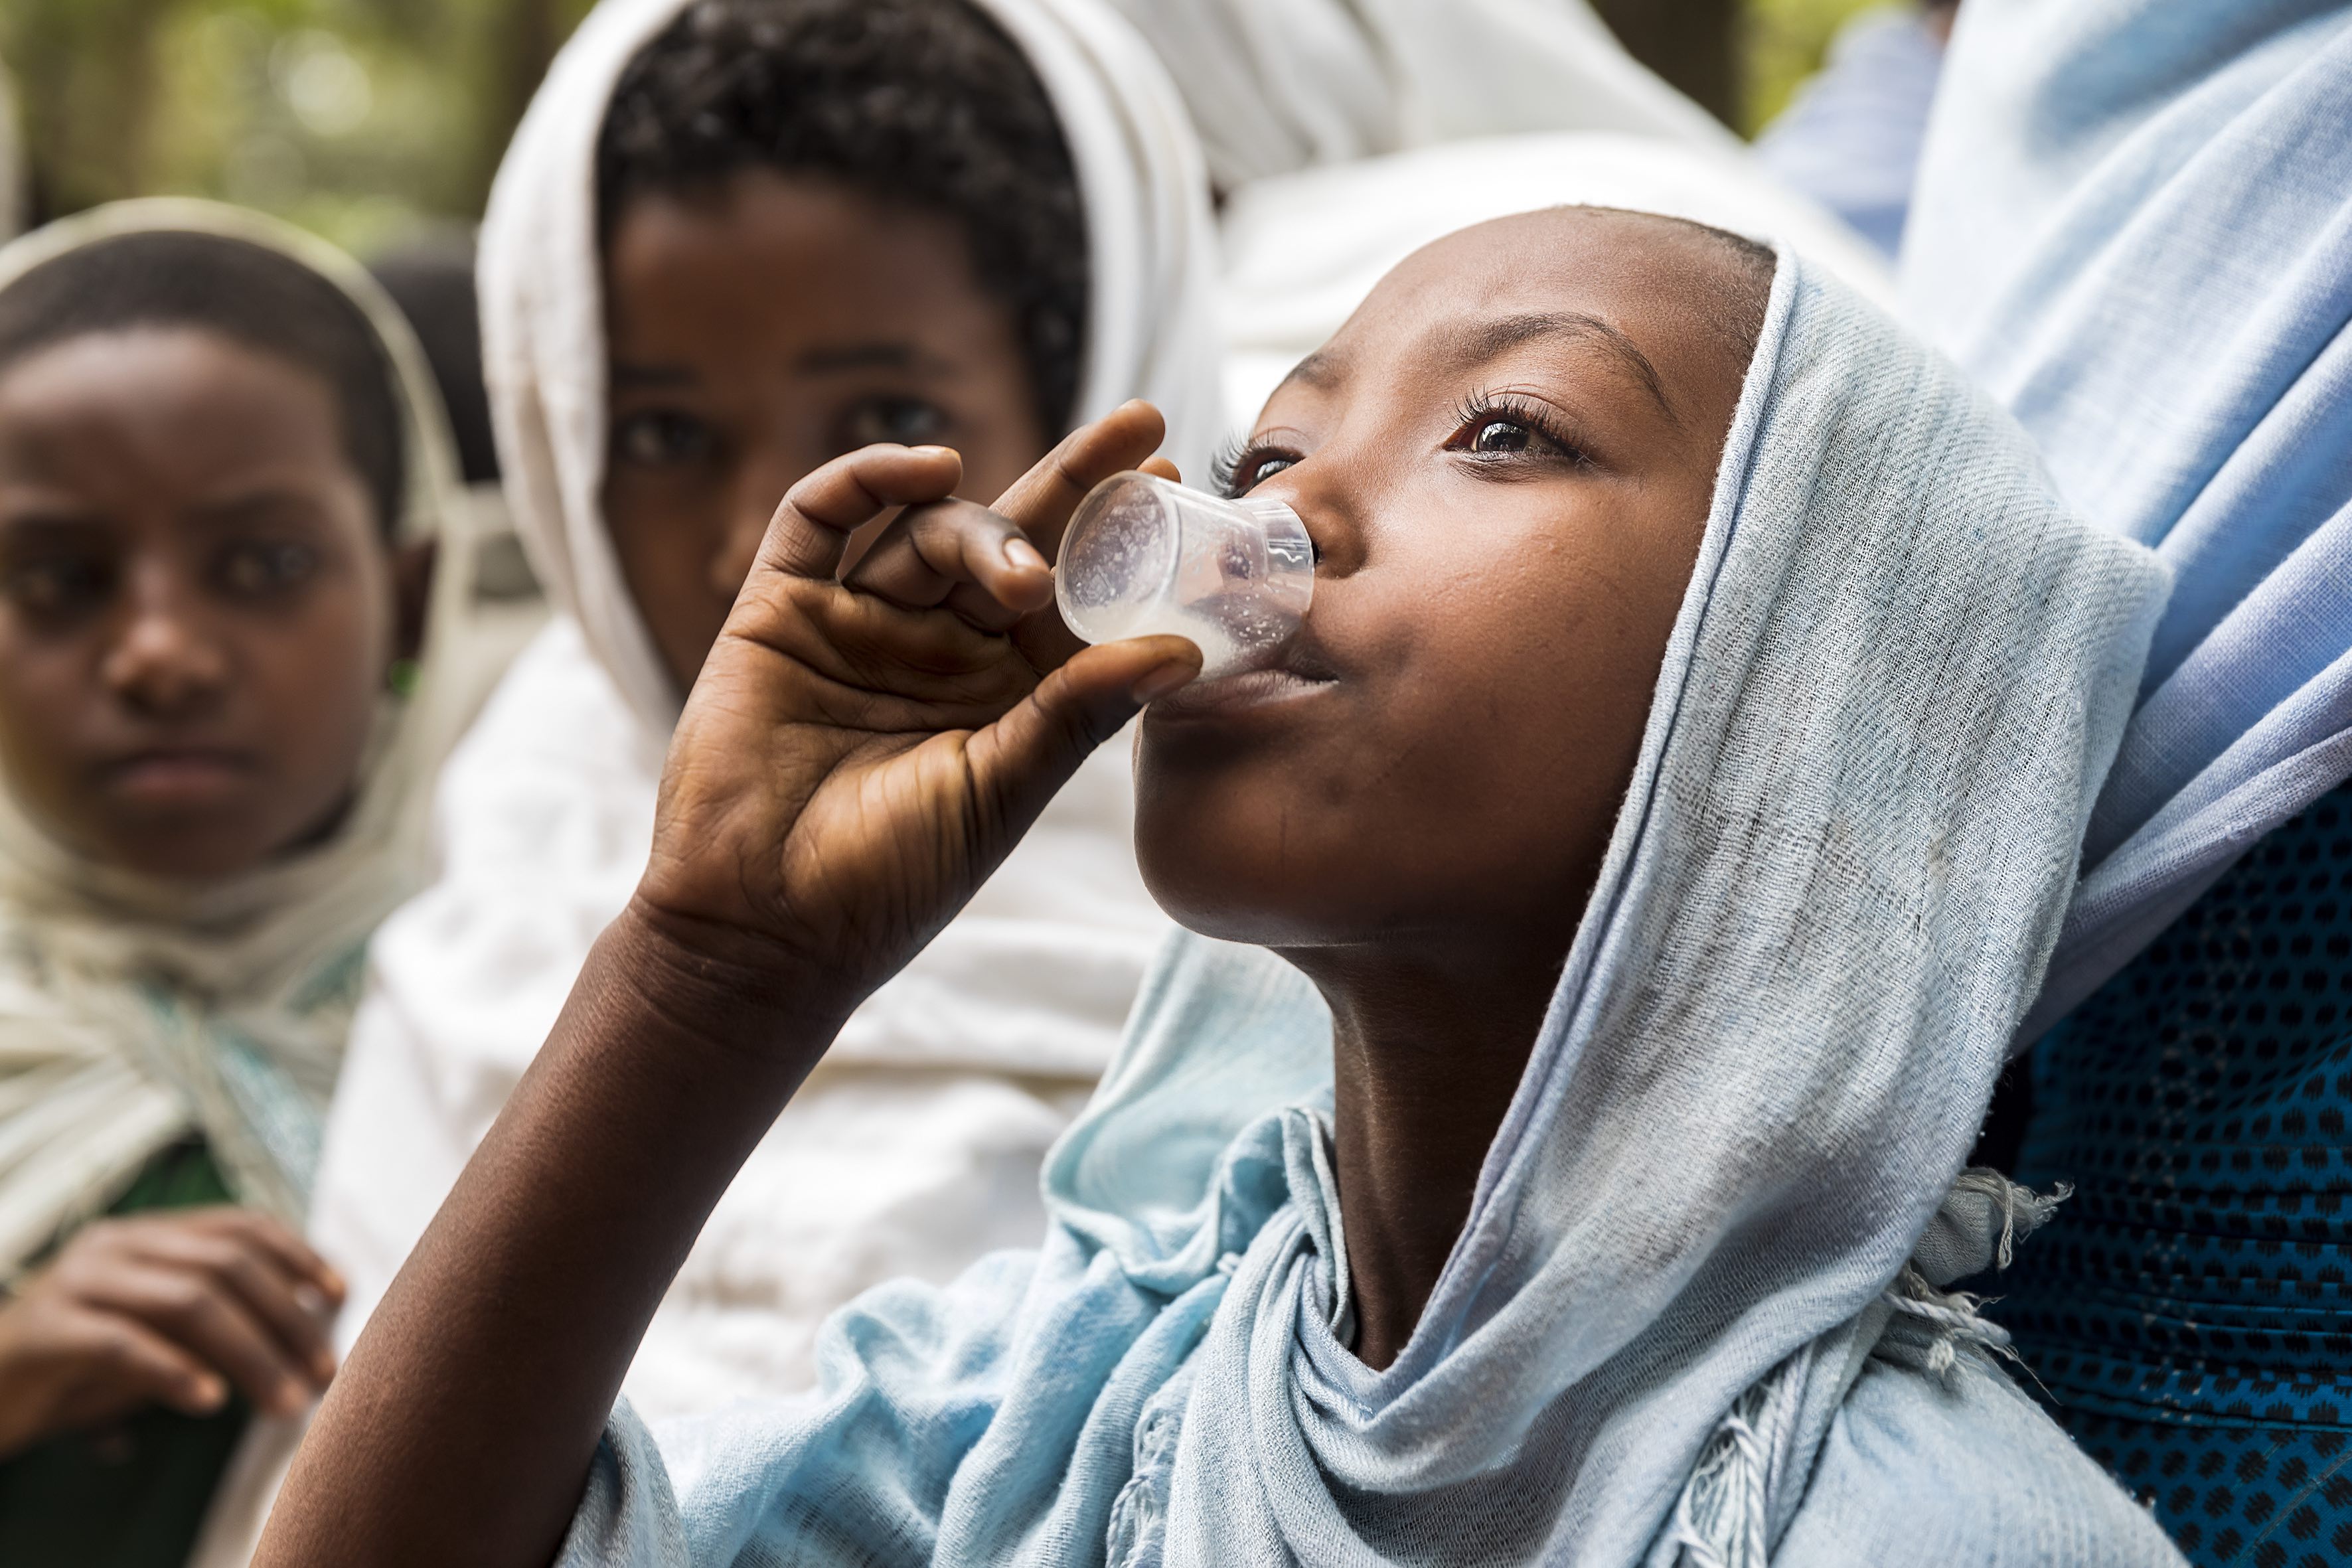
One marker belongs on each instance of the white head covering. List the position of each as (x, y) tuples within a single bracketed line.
[(1278, 86), (918, 1148), (133, 1011), (1151, 248)]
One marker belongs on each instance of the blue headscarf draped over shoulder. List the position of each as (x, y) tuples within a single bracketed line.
[(1683, 1321), (2133, 225)]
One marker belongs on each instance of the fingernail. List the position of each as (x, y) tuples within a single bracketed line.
[(1166, 679), (1023, 557), (930, 450)]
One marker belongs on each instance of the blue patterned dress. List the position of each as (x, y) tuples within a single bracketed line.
[(2187, 1312)]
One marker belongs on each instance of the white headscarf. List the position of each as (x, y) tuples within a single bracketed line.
[(918, 1148), (134, 1011), (1278, 86)]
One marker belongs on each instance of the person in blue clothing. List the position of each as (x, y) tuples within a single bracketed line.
[(1852, 137), (1578, 1175), (2132, 225)]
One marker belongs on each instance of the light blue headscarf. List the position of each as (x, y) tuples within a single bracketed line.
[(1679, 1325), (2134, 224)]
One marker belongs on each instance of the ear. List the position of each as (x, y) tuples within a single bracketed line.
[(412, 589)]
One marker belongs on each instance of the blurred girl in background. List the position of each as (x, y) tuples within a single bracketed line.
[(732, 240), (224, 677)]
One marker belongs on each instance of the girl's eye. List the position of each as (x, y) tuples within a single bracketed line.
[(660, 437), (262, 567), (1265, 468), (1245, 471), (1503, 435), (1501, 430), (58, 584), (902, 421)]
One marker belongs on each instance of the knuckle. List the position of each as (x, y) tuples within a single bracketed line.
[(185, 1300)]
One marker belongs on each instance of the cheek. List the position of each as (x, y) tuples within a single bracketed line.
[(316, 679), (668, 528), (49, 688), (998, 448), (1468, 768)]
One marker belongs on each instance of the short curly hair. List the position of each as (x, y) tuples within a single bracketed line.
[(924, 102), (235, 290)]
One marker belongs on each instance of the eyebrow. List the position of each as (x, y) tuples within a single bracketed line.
[(1322, 370), (1478, 344)]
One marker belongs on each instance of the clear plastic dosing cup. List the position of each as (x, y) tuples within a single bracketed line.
[(1144, 556)]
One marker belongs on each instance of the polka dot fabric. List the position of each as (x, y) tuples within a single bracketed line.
[(2187, 1311)]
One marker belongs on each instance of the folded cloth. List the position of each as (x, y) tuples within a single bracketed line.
[(1278, 85), (1896, 678), (2133, 225)]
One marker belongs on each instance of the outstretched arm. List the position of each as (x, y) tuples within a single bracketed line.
[(856, 758)]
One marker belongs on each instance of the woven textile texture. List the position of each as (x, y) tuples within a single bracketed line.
[(2188, 1310), (2132, 227)]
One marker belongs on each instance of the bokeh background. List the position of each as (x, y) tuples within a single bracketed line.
[(377, 122)]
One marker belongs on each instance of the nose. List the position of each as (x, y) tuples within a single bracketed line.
[(164, 660), (1320, 489)]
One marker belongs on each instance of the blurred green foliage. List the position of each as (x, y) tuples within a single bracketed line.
[(365, 120), (370, 119), (1782, 43)]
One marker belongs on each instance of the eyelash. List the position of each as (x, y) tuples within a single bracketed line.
[(1238, 456), (1241, 456), (1480, 409)]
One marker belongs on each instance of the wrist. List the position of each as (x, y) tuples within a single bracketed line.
[(704, 988)]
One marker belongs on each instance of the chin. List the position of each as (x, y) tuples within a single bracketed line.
[(193, 849), (1263, 900)]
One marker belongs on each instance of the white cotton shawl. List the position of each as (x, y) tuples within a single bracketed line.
[(1278, 85), (134, 1012), (1664, 1336), (917, 1148)]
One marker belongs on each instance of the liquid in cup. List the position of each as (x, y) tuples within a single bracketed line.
[(1143, 556)]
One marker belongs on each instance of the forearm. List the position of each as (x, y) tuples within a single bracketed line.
[(461, 1430)]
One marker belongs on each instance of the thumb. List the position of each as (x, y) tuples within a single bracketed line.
[(1019, 761)]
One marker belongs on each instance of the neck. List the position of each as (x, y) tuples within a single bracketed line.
[(1428, 1045)]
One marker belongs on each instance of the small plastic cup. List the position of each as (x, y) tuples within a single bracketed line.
[(1143, 556)]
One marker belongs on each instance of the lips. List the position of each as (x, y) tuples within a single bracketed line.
[(179, 776), (1302, 672)]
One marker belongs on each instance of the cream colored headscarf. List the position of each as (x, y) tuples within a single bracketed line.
[(133, 1011)]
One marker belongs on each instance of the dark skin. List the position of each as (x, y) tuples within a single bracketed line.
[(859, 753), (761, 328), (197, 611)]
